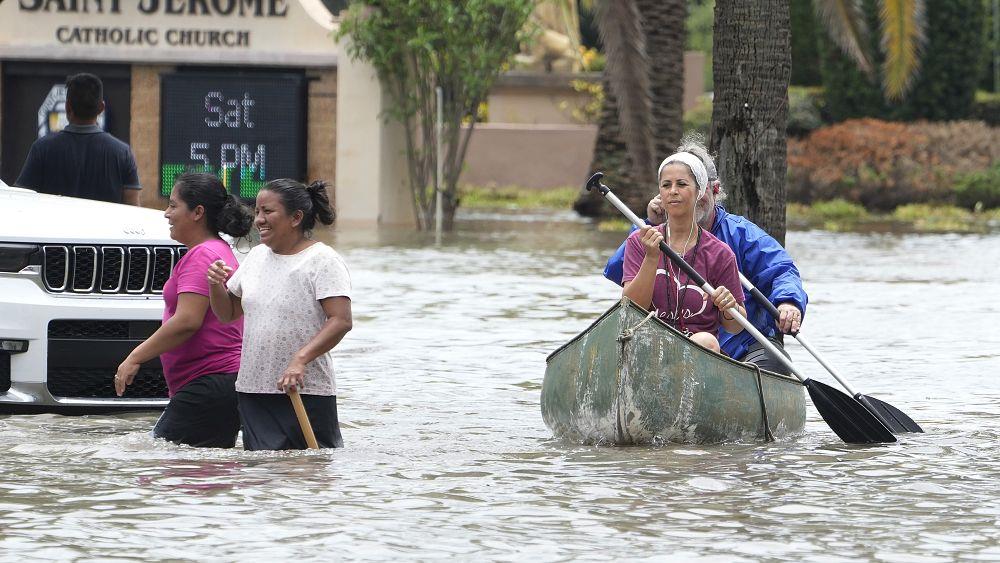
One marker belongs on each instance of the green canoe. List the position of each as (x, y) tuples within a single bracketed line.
[(632, 379)]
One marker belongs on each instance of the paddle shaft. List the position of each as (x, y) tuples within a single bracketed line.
[(694, 275), (300, 413), (766, 304)]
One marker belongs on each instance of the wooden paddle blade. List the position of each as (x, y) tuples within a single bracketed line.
[(846, 417), (897, 419)]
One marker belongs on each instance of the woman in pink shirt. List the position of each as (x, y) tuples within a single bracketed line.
[(200, 355), (654, 282)]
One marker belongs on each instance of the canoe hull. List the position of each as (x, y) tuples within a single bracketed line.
[(631, 379)]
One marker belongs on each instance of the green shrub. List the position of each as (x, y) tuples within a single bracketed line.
[(699, 118), (979, 190), (592, 59), (986, 107), (841, 215), (850, 93), (943, 87), (884, 164), (839, 211), (700, 23), (924, 217), (516, 197), (951, 63), (805, 44), (805, 110), (614, 226), (918, 211)]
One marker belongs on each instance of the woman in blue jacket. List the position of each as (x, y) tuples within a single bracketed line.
[(758, 256)]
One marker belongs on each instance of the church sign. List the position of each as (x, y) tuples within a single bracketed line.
[(272, 32)]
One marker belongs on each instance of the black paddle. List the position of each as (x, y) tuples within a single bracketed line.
[(893, 418), (845, 416)]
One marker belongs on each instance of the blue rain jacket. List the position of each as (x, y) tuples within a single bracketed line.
[(761, 259)]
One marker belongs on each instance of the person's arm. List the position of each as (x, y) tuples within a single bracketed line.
[(338, 323), (790, 318), (33, 172), (613, 269), (640, 288), (130, 197), (655, 215), (186, 321), (770, 268), (130, 181), (226, 306), (724, 300), (728, 291)]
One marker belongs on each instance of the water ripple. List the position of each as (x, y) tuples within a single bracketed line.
[(447, 456)]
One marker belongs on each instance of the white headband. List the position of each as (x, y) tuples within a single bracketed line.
[(694, 163)]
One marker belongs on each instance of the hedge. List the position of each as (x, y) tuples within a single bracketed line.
[(882, 165), (950, 68)]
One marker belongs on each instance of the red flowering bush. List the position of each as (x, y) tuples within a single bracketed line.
[(882, 164)]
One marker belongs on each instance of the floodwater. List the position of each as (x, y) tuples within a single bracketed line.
[(447, 455)]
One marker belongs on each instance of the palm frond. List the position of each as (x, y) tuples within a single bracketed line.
[(628, 73), (903, 36), (844, 21)]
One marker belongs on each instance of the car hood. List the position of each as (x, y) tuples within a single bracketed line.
[(28, 216)]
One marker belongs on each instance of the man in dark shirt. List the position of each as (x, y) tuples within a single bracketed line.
[(82, 160)]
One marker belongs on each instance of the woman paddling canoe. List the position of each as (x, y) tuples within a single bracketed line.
[(652, 281), (758, 255)]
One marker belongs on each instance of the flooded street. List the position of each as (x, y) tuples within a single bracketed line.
[(447, 455)]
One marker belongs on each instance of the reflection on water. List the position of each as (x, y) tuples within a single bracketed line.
[(447, 454)]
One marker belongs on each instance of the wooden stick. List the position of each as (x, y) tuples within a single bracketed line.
[(300, 413)]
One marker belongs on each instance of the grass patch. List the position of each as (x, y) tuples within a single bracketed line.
[(614, 225), (839, 215), (833, 215), (840, 210), (926, 217), (515, 197)]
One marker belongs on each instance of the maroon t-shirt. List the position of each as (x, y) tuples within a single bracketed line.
[(684, 305)]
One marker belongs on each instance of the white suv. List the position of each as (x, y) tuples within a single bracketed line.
[(80, 286)]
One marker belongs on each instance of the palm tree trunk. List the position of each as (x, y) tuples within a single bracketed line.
[(752, 47), (611, 157), (662, 24)]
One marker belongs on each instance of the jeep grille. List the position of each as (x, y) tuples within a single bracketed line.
[(86, 269)]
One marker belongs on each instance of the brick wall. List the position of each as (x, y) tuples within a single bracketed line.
[(321, 151)]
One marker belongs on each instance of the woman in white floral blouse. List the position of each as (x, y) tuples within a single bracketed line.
[(295, 293)]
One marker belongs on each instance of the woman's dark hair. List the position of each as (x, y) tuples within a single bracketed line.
[(223, 211), (311, 200)]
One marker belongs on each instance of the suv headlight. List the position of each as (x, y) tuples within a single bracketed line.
[(16, 257)]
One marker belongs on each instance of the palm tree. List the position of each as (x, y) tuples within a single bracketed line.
[(752, 69), (641, 119), (903, 34), (751, 73), (664, 24)]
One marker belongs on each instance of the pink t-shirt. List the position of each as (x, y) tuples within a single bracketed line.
[(684, 305), (215, 348)]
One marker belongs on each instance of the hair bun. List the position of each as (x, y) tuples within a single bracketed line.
[(315, 188)]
